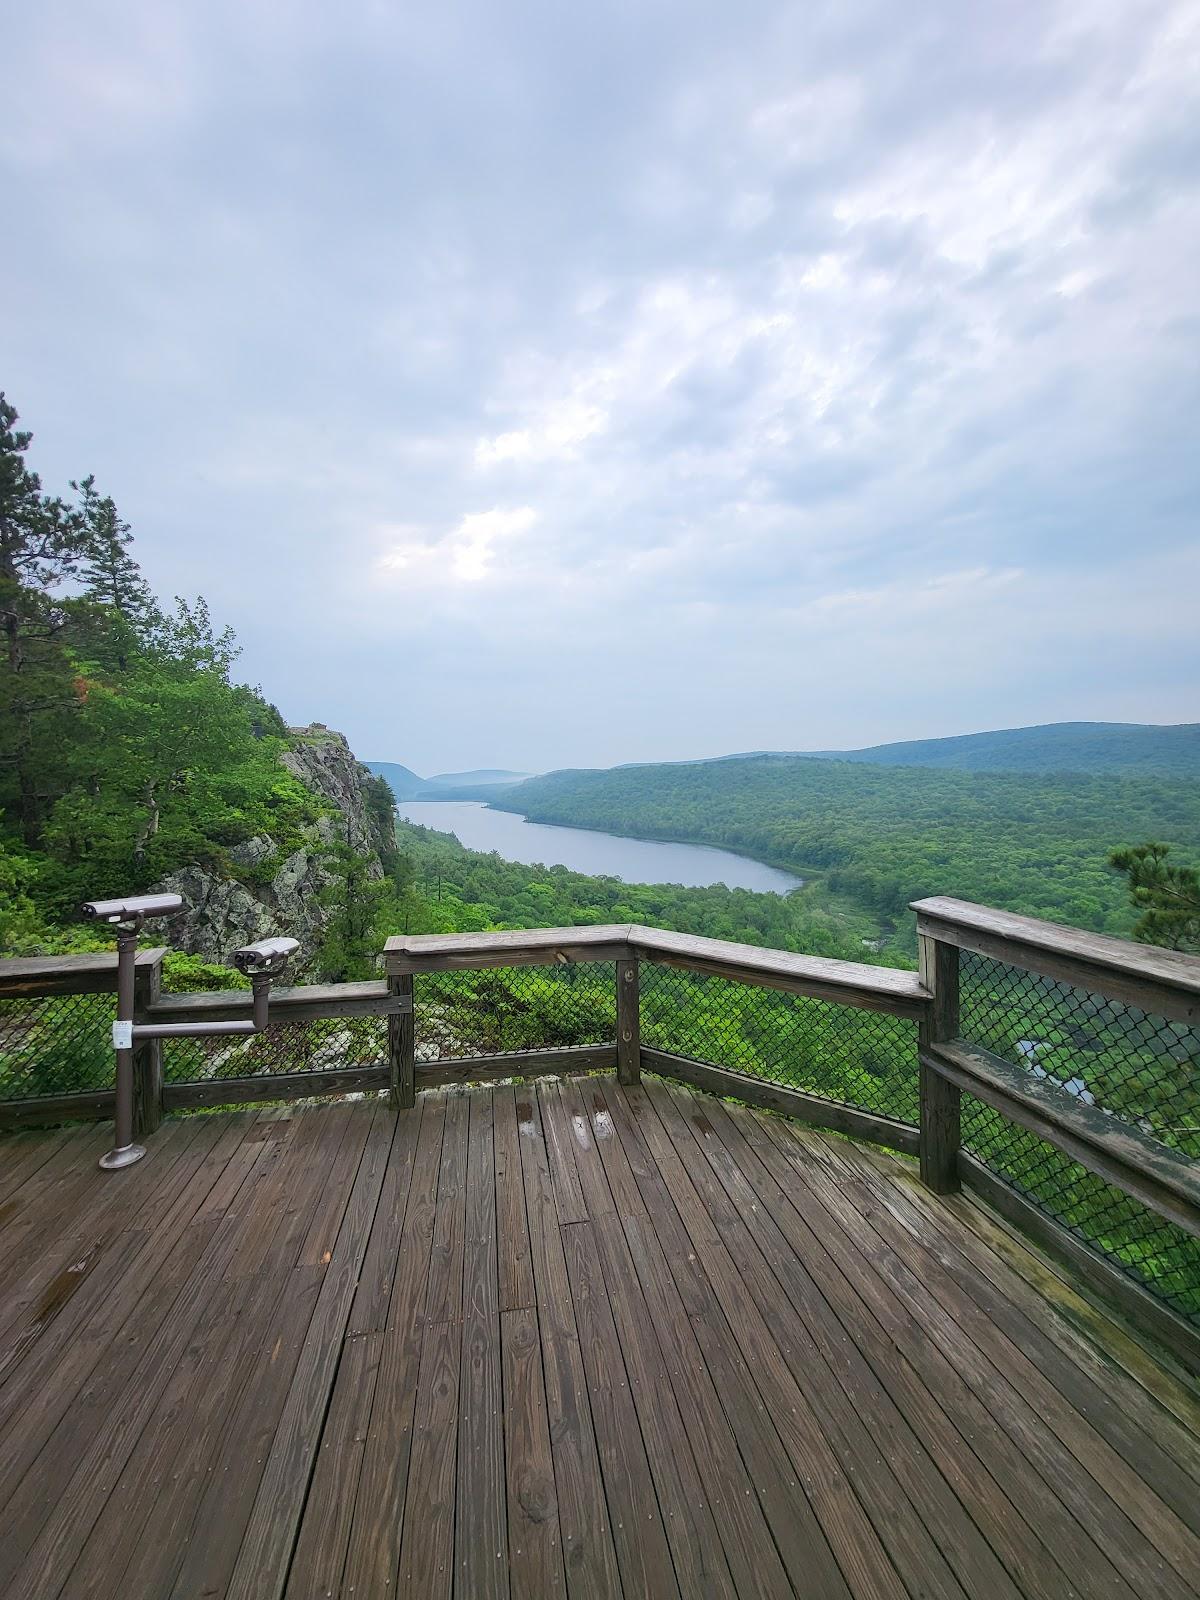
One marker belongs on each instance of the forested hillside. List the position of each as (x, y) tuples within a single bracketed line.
[(886, 835), (1054, 747)]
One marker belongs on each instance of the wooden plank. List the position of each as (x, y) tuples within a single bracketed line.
[(851, 983), (516, 1064), (372, 1298), (56, 1502), (1048, 1294), (1134, 1161), (444, 1290), (481, 1524), (147, 1060), (31, 976), (1119, 1510), (690, 1517), (261, 1566), (275, 1086), (629, 1026), (320, 1554), (427, 1550), (1114, 1286), (21, 1156), (373, 1553), (457, 952), (898, 1495), (515, 1269), (402, 1044), (1165, 982), (828, 1541), (564, 1179), (534, 1540), (300, 1003), (940, 1113), (48, 1110), (738, 1455), (943, 1475), (140, 1537), (589, 1558), (1041, 1541), (790, 1102), (643, 1554)]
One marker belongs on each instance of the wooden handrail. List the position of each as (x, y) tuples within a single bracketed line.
[(301, 1003), (27, 977), (1143, 1166), (1166, 982), (851, 983)]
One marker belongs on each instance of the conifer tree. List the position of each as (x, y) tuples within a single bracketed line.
[(42, 543), (124, 608), (1167, 895)]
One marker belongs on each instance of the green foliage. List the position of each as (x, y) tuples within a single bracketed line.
[(1054, 747), (22, 929), (883, 836), (1167, 895)]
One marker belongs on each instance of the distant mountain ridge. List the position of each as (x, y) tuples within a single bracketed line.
[(409, 785), (1049, 747)]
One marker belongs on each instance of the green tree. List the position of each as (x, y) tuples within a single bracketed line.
[(1167, 895), (123, 611), (42, 543)]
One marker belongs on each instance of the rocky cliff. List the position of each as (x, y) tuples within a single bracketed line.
[(282, 896)]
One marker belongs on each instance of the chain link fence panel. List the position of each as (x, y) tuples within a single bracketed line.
[(865, 1059), (56, 1044), (328, 1044), (1141, 1069), (1156, 1253), (502, 1010)]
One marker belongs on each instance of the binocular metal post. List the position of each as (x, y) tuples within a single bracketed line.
[(124, 1152)]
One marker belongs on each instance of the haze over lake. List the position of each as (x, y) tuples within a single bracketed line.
[(599, 854)]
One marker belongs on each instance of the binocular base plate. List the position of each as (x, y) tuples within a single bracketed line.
[(124, 1156)]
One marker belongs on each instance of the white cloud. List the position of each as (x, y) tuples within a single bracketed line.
[(464, 555)]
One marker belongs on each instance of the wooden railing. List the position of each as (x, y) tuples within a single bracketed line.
[(945, 1064), (1106, 974)]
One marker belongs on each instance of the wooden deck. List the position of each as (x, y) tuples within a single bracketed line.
[(576, 1341)]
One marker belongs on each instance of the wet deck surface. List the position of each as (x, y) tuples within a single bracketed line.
[(567, 1341)]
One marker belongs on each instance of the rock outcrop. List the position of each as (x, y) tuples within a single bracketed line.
[(284, 896)]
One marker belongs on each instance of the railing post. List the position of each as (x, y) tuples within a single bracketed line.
[(147, 1055), (940, 1100), (402, 1044), (629, 1023)]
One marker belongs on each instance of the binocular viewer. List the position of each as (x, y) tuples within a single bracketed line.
[(260, 962)]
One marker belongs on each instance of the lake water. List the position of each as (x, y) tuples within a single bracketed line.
[(599, 854)]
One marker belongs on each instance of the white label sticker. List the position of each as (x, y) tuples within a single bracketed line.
[(122, 1035)]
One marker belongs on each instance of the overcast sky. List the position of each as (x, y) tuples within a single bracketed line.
[(542, 385)]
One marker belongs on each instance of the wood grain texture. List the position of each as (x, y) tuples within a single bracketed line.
[(1166, 982), (580, 1339)]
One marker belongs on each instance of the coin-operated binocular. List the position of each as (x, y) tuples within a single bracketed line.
[(261, 963)]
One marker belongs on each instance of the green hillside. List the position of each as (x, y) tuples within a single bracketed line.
[(881, 836), (404, 782), (1055, 747)]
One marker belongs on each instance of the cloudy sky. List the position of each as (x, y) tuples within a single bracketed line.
[(543, 384)]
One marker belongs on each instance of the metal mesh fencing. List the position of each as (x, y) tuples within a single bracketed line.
[(56, 1044), (328, 1044), (1156, 1253), (858, 1058), (1140, 1069), (461, 1015)]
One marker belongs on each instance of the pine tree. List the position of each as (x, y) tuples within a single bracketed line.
[(123, 605), (1168, 896), (42, 543)]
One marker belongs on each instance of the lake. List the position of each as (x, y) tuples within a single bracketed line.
[(598, 854)]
